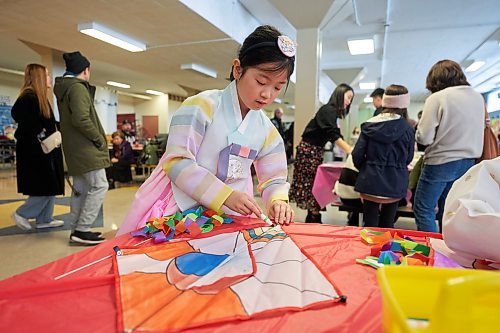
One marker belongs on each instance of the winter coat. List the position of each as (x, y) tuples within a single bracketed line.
[(38, 174), (382, 154), (84, 139)]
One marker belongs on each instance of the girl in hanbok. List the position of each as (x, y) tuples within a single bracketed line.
[(217, 135)]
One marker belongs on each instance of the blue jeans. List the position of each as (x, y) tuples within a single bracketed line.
[(40, 208), (432, 189)]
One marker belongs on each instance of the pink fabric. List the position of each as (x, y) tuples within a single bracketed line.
[(154, 198), (326, 176)]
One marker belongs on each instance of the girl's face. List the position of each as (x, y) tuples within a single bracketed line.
[(117, 140), (257, 87), (348, 95)]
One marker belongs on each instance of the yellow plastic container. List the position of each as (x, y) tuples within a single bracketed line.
[(429, 299)]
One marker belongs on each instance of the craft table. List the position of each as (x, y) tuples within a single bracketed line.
[(77, 293)]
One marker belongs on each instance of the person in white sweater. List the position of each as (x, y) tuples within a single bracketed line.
[(451, 127)]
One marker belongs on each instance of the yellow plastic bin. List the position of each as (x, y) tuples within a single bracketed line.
[(429, 299)]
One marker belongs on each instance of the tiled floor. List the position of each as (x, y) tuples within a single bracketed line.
[(25, 251)]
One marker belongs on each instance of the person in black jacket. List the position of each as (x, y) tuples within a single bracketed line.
[(376, 96), (382, 154), (39, 175), (278, 123), (321, 129), (122, 157)]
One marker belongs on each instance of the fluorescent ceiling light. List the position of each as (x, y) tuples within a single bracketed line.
[(292, 107), (475, 66), (367, 85), (155, 92), (118, 84), (361, 46), (277, 100), (112, 37), (119, 92), (368, 99), (11, 71), (200, 69)]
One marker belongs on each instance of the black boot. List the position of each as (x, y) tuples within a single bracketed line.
[(316, 218), (353, 219), (309, 216)]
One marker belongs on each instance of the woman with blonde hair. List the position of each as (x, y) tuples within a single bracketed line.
[(39, 175)]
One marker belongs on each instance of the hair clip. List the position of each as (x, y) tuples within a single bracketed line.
[(287, 46)]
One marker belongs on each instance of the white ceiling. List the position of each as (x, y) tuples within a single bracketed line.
[(410, 36)]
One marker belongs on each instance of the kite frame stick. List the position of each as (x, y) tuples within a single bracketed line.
[(262, 216), (92, 263)]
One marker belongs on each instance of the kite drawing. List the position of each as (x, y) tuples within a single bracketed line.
[(236, 275)]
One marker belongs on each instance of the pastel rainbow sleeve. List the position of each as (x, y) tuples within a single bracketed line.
[(271, 169), (186, 133)]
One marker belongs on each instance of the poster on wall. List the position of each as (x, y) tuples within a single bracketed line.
[(7, 124)]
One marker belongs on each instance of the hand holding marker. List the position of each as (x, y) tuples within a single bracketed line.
[(265, 219)]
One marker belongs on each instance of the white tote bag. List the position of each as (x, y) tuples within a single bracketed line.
[(471, 219)]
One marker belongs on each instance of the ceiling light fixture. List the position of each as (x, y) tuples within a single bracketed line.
[(200, 69), (278, 101), (475, 66), (367, 85), (361, 46), (118, 84), (11, 71), (112, 37), (155, 92), (368, 99), (134, 95)]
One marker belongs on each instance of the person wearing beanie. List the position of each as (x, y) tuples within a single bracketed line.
[(376, 96), (382, 153), (126, 128), (85, 147), (75, 62)]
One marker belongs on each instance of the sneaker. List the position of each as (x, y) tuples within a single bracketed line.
[(21, 222), (85, 237), (97, 233), (51, 224)]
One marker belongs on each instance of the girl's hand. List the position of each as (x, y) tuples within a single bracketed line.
[(242, 203), (114, 160), (281, 212)]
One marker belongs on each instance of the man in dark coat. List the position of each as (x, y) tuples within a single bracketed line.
[(276, 120), (85, 146)]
